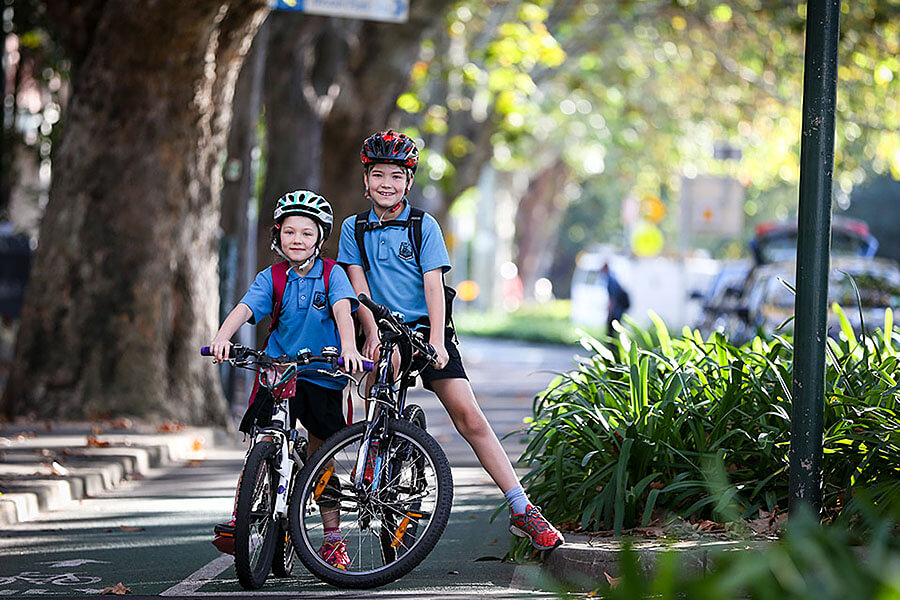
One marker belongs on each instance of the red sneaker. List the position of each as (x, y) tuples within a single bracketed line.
[(335, 554), (532, 524)]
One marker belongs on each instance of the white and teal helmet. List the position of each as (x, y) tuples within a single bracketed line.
[(306, 204)]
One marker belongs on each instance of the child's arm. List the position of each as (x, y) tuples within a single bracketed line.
[(360, 285), (221, 344), (434, 300), (352, 358)]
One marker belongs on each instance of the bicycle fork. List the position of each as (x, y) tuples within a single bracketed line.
[(368, 459)]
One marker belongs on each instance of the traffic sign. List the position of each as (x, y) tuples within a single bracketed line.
[(393, 11), (713, 205)]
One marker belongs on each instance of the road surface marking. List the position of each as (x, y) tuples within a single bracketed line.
[(200, 577)]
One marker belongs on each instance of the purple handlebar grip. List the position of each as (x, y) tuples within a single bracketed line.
[(205, 351), (367, 365)]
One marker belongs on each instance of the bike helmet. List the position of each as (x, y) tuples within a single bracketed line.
[(307, 204), (390, 147)]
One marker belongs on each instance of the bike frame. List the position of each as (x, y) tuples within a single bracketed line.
[(383, 402)]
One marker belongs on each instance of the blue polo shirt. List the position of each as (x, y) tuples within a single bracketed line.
[(306, 320), (394, 277)]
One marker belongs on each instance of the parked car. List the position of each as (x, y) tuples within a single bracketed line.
[(768, 301), (774, 250)]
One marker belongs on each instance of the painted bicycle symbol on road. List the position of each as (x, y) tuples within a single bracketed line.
[(38, 578)]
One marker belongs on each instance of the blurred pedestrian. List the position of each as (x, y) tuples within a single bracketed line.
[(619, 301)]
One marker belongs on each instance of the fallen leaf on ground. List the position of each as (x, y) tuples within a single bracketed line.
[(118, 589), (613, 581), (131, 528), (170, 427), (707, 525), (93, 442)]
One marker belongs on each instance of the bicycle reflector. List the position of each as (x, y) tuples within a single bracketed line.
[(323, 481)]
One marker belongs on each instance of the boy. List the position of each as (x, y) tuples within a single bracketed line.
[(303, 221), (411, 280)]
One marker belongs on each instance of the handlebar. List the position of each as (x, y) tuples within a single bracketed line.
[(239, 352), (384, 315)]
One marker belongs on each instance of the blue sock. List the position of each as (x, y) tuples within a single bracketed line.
[(517, 500)]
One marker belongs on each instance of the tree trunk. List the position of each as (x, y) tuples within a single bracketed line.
[(307, 54), (537, 218), (124, 286), (378, 73)]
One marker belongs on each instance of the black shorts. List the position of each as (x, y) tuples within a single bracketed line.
[(454, 368), (319, 409)]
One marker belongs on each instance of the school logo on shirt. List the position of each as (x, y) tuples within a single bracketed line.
[(405, 251), (319, 300)]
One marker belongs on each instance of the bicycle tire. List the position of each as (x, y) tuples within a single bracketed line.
[(415, 415), (284, 556), (256, 500), (303, 506)]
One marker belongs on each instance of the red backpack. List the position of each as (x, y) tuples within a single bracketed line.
[(279, 282)]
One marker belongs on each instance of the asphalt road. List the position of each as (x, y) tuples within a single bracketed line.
[(153, 535)]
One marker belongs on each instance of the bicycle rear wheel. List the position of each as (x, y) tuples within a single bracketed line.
[(255, 528), (387, 531)]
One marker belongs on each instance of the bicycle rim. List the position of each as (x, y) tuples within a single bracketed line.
[(387, 532)]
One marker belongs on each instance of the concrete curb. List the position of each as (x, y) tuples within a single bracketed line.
[(584, 562), (46, 470)]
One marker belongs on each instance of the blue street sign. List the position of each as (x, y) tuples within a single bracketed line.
[(393, 11)]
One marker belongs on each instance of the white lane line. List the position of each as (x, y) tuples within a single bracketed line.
[(200, 577)]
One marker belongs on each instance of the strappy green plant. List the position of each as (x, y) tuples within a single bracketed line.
[(652, 424)]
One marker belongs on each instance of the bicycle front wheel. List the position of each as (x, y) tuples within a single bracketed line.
[(255, 526), (390, 524)]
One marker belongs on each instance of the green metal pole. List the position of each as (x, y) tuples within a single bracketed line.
[(813, 244)]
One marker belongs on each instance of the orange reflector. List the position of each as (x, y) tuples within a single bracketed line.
[(323, 481), (401, 531)]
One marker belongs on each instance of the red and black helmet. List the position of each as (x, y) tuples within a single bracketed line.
[(390, 147)]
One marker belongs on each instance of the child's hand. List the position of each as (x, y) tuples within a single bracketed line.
[(442, 357), (371, 346), (221, 349), (353, 360)]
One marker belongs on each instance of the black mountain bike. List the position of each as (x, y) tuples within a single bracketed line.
[(276, 454), (388, 480)]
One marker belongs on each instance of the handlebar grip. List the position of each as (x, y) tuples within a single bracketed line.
[(207, 351), (367, 365), (380, 312)]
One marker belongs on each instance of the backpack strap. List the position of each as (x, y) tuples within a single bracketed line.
[(415, 231), (359, 230), (328, 265), (279, 283)]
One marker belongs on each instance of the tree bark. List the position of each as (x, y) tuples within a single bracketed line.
[(307, 54), (537, 219), (124, 286), (378, 73)]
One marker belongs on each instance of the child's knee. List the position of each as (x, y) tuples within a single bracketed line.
[(472, 422)]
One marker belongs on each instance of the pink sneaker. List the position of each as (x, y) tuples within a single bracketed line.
[(335, 554), (532, 524)]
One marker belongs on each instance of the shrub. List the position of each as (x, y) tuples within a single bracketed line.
[(653, 425)]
